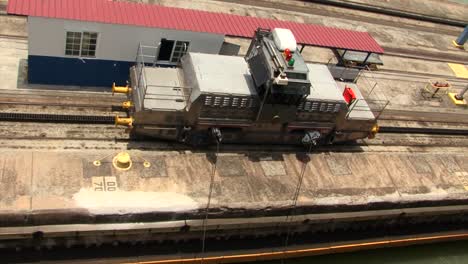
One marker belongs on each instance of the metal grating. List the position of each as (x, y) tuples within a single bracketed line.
[(145, 15), (228, 101), (55, 118), (309, 106)]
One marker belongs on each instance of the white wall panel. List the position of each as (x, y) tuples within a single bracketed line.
[(115, 42)]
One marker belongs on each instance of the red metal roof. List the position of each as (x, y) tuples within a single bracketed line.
[(105, 11)]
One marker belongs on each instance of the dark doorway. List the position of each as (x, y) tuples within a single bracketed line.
[(165, 50)]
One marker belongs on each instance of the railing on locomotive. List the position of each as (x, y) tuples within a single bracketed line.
[(141, 63), (374, 106)]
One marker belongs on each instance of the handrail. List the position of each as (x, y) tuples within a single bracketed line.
[(146, 57), (367, 107), (370, 81)]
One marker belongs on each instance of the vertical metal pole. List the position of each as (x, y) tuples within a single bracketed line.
[(138, 65), (341, 58), (344, 53), (156, 54), (367, 57), (342, 62), (459, 96), (463, 37), (302, 48), (263, 101)]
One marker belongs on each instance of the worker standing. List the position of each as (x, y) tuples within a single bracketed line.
[(460, 41)]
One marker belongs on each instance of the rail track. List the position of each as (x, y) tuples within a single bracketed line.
[(310, 9), (426, 55), (105, 119), (57, 118), (76, 132), (390, 74), (408, 54)]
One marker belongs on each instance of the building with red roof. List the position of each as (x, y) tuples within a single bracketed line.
[(94, 42)]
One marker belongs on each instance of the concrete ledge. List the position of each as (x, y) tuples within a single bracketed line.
[(64, 187)]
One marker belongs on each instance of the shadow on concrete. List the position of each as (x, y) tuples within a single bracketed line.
[(255, 153), (264, 156)]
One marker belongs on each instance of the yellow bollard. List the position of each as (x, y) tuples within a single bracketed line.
[(127, 104), (373, 132), (124, 121), (122, 161), (121, 89)]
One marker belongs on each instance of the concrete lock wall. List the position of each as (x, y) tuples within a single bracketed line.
[(115, 53)]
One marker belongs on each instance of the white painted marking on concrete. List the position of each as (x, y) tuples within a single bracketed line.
[(104, 184), (124, 202), (463, 177)]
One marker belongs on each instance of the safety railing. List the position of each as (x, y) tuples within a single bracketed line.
[(367, 80), (342, 72), (147, 57), (376, 107)]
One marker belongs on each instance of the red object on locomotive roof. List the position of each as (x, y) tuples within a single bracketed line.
[(349, 95)]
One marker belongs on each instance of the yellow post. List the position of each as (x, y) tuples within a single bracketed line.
[(127, 104), (124, 121), (121, 89), (122, 161), (373, 132)]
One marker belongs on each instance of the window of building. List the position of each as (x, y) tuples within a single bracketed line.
[(72, 47), (81, 44), (88, 44), (172, 50)]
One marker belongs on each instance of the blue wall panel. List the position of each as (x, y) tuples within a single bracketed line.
[(77, 71)]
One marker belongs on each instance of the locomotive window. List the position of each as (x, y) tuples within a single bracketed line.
[(81, 44)]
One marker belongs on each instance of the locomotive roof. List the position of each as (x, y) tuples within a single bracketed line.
[(219, 74), (324, 87)]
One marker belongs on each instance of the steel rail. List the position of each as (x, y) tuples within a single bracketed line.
[(106, 119), (56, 118), (88, 106), (437, 58), (392, 12), (423, 130)]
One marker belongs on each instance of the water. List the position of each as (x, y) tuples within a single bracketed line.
[(441, 253), (461, 1)]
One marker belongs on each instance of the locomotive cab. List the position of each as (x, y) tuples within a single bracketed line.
[(279, 73)]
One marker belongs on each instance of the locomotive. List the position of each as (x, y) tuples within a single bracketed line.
[(271, 96)]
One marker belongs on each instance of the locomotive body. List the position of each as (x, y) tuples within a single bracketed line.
[(269, 97)]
